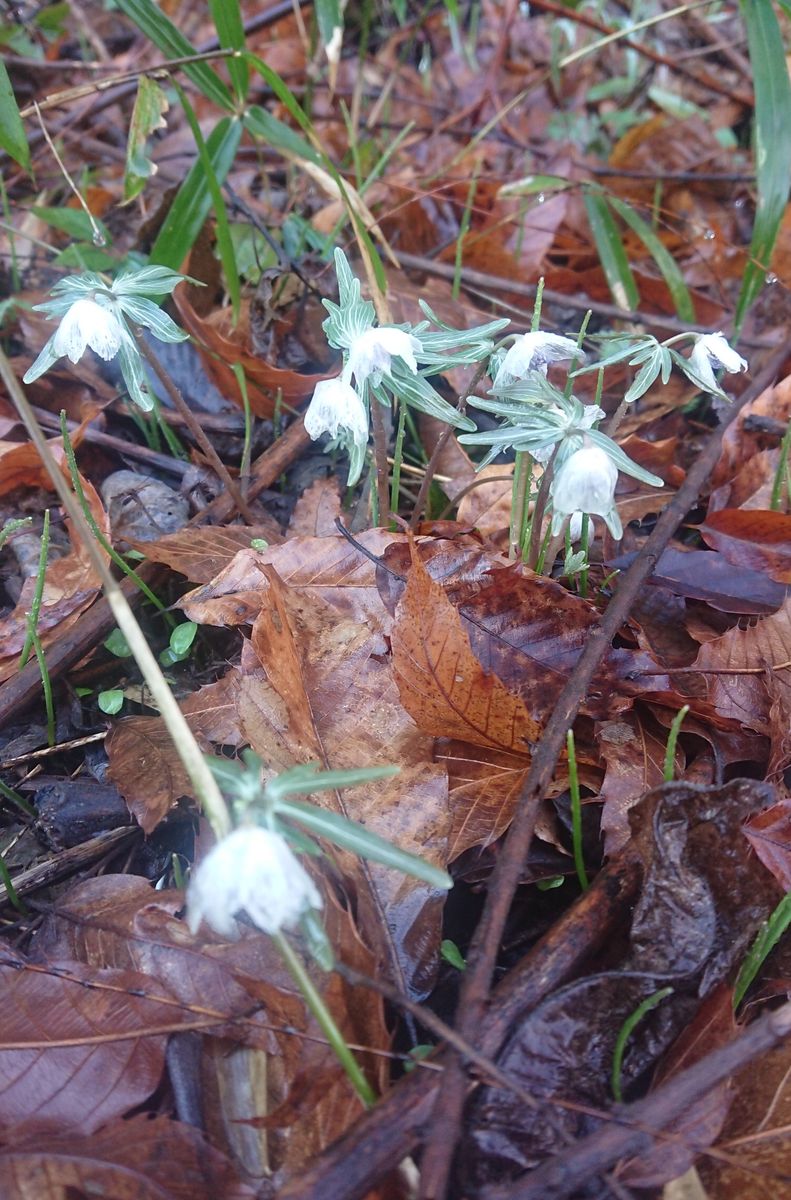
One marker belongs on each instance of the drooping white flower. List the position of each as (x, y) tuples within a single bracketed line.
[(585, 483), (336, 405), (88, 323), (532, 352), (372, 353), (711, 351), (255, 871)]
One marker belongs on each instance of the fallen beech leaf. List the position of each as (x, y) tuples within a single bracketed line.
[(442, 684), (752, 537), (764, 649), (202, 553), (707, 575), (326, 693), (769, 834), (109, 1064), (329, 568), (143, 762), (143, 1158), (316, 510)]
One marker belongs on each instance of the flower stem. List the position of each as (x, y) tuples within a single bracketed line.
[(380, 458), (325, 1020)]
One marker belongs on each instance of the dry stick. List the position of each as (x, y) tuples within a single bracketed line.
[(563, 1176), (442, 441), (440, 1149), (194, 426)]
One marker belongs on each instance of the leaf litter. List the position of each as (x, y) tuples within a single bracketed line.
[(142, 1060)]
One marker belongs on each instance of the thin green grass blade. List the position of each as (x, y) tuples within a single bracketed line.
[(611, 252), (12, 130), (230, 30), (671, 272), (193, 200), (151, 21), (223, 230), (771, 141)]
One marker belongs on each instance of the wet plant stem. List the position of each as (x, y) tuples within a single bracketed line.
[(534, 544), (519, 502), (205, 789), (195, 428), (325, 1020), (380, 459), (442, 441)]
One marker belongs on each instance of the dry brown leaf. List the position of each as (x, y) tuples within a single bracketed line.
[(202, 553), (144, 764), (326, 693), (442, 684), (634, 755), (316, 510), (764, 648), (328, 568)]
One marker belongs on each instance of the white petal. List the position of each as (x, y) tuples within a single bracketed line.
[(373, 351), (585, 483), (335, 405), (252, 870), (88, 324), (532, 352), (700, 362), (722, 354)]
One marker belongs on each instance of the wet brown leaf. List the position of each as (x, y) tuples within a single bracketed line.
[(634, 754), (442, 684), (202, 553), (759, 539), (138, 1159), (144, 764), (316, 510), (109, 1063)]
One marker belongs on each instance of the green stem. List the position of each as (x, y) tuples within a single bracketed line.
[(325, 1020), (576, 812), (398, 453), (672, 739), (780, 473)]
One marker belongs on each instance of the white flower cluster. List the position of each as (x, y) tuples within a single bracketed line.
[(93, 314), (252, 870), (336, 406)]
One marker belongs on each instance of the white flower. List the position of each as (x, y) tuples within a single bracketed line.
[(335, 405), (372, 352), (532, 352), (88, 323), (254, 870), (585, 483), (712, 350)]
